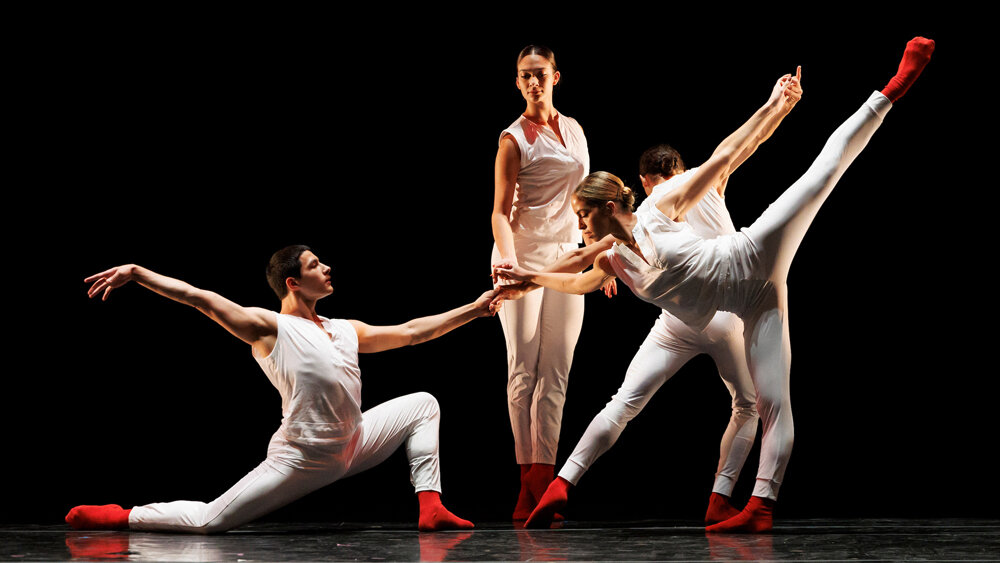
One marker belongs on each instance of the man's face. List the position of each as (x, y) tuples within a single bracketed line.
[(315, 279)]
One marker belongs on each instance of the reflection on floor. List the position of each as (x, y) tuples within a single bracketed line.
[(830, 540)]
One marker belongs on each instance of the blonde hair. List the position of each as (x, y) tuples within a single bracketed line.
[(600, 187)]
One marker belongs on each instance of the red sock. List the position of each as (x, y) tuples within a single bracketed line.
[(719, 509), (756, 517), (553, 500), (525, 500), (434, 516), (539, 477), (915, 58), (106, 517)]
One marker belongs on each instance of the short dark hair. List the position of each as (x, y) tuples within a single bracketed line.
[(663, 160), (285, 264)]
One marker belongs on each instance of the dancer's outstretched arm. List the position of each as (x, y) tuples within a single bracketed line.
[(588, 281), (252, 325), (379, 338), (570, 263), (791, 88), (730, 153)]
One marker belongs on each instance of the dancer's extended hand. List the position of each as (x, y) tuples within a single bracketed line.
[(500, 261), (510, 271), (487, 303), (511, 292), (108, 280), (787, 91), (610, 289)]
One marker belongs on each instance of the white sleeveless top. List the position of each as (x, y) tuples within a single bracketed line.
[(709, 218), (542, 209), (687, 274), (318, 378)]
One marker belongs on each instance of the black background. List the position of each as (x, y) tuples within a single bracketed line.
[(197, 144)]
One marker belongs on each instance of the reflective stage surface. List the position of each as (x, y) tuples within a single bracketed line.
[(828, 540)]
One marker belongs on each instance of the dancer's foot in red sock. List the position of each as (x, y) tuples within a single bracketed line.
[(915, 58), (539, 479), (434, 516), (553, 500), (719, 509), (755, 518), (525, 500), (106, 517)]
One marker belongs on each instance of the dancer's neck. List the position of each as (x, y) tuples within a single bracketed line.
[(297, 306), (543, 114)]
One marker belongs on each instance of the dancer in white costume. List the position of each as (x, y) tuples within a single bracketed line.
[(313, 363), (664, 262), (541, 158)]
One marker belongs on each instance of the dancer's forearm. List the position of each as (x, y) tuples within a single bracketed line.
[(171, 288), (428, 328), (380, 338)]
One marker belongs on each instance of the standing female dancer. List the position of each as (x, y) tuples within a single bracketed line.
[(541, 158), (666, 263)]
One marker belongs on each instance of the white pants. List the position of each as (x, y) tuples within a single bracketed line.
[(292, 471), (669, 346), (776, 235), (541, 330)]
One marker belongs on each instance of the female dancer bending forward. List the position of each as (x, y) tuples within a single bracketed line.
[(664, 262)]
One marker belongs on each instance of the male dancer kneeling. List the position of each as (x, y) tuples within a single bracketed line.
[(313, 362)]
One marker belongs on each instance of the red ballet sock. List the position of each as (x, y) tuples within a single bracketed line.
[(106, 517), (915, 58), (756, 517), (434, 516), (719, 509), (539, 477), (525, 500), (552, 501)]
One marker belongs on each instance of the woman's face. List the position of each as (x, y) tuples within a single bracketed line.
[(595, 222), (535, 78)]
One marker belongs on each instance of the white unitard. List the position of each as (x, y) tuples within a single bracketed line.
[(323, 437), (542, 328), (670, 345), (745, 273)]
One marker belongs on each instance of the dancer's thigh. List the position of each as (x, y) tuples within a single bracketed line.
[(387, 426), (656, 361)]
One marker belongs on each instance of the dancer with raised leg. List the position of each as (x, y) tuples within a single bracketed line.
[(313, 362), (664, 262)]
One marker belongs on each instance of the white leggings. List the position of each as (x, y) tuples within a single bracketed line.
[(667, 348), (776, 235), (291, 470), (541, 330)]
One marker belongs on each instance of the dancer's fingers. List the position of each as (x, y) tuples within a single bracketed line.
[(97, 288), (103, 274)]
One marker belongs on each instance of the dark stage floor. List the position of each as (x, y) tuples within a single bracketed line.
[(838, 540)]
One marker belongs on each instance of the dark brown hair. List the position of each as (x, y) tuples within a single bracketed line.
[(663, 160), (285, 264), (541, 51)]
